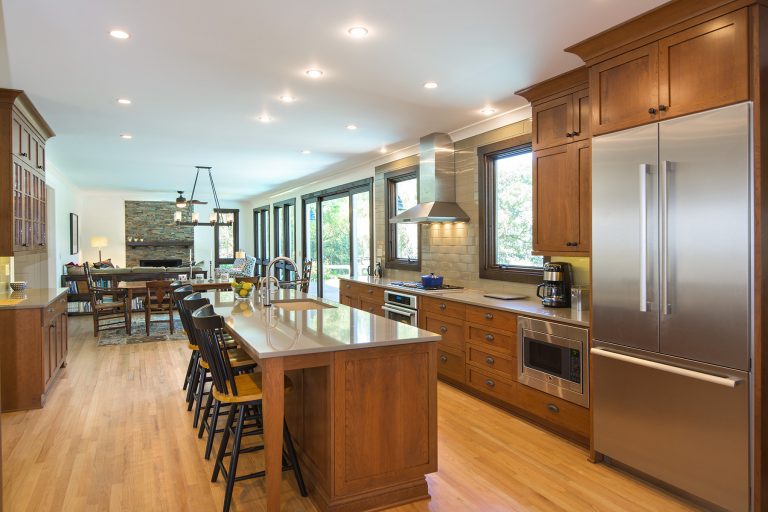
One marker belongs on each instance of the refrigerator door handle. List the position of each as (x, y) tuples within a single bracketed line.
[(645, 169), (666, 308), (730, 382)]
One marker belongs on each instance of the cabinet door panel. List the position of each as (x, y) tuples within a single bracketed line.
[(706, 66), (16, 136), (556, 207), (553, 122), (581, 156), (581, 116), (623, 88)]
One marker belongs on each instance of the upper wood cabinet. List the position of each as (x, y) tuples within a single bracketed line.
[(23, 207), (561, 120), (703, 67)]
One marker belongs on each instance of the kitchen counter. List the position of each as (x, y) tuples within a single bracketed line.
[(475, 297), (351, 372), (278, 331), (31, 298)]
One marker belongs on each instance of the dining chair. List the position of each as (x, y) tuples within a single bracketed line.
[(109, 306), (158, 301)]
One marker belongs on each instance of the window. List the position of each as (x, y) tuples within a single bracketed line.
[(403, 240), (338, 223), (506, 212), (225, 238), (261, 238), (285, 236)]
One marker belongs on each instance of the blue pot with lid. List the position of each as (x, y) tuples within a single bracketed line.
[(431, 281)]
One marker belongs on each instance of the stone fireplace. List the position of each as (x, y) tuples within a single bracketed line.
[(152, 222)]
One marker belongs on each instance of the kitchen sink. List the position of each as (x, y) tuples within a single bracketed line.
[(300, 304)]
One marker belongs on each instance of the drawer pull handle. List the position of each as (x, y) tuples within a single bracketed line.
[(442, 306), (489, 337), (50, 310), (490, 383), (443, 329), (553, 408), (370, 291), (489, 316), (23, 154), (490, 360), (443, 359), (347, 286)]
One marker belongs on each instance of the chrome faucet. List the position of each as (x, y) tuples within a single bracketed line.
[(267, 301)]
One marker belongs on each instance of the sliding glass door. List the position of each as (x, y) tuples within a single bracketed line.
[(261, 238), (337, 235), (285, 237)]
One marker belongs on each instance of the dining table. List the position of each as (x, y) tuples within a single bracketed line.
[(139, 288)]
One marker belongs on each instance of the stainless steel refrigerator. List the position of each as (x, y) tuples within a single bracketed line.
[(672, 298)]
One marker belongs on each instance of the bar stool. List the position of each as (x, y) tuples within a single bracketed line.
[(243, 393), (178, 293)]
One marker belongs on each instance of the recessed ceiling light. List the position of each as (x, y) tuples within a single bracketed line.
[(488, 111), (124, 101), (383, 149), (126, 136), (351, 127), (314, 73), (119, 34), (305, 152), (287, 98), (430, 85), (357, 32), (264, 118)]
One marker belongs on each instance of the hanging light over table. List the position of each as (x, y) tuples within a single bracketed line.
[(215, 218)]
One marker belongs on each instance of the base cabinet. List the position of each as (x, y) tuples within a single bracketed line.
[(33, 349)]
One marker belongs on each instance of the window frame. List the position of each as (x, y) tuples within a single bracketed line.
[(281, 233), (391, 179), (486, 157), (236, 235), (261, 238)]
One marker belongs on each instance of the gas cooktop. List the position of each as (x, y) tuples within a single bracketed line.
[(414, 285)]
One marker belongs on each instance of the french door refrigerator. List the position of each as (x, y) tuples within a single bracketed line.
[(672, 302)]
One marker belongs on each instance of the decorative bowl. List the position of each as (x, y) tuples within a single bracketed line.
[(18, 286), (242, 290)]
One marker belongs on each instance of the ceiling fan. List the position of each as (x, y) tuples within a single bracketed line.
[(215, 217), (181, 201)]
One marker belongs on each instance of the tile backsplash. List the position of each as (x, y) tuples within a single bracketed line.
[(5, 271), (452, 249)]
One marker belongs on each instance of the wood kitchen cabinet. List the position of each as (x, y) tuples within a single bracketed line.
[(561, 120), (362, 296), (703, 67), (562, 178), (23, 212), (33, 349)]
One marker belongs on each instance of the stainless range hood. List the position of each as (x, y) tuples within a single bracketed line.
[(437, 184)]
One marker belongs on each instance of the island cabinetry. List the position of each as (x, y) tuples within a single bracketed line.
[(446, 318), (33, 349)]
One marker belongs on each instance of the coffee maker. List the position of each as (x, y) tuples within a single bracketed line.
[(558, 278)]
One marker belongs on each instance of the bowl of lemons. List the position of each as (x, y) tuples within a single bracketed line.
[(242, 290)]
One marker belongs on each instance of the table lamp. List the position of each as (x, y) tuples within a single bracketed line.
[(99, 242), (240, 254)]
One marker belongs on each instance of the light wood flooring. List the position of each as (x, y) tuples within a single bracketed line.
[(116, 435)]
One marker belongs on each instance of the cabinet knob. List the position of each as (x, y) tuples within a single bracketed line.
[(443, 329), (443, 359), (370, 291), (489, 337), (50, 310), (489, 316), (39, 166), (553, 408), (347, 286), (490, 383), (575, 134), (571, 244), (662, 108), (490, 360), (569, 134), (651, 110), (23, 154), (442, 306)]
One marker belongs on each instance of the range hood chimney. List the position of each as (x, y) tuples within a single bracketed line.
[(437, 184)]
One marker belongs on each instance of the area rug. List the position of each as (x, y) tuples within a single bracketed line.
[(157, 332)]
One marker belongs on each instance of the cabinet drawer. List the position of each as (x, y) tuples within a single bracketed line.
[(554, 410), (497, 340), (371, 306), (490, 361), (54, 309), (371, 294), (491, 384), (451, 330), (451, 365), (443, 307), (492, 318)]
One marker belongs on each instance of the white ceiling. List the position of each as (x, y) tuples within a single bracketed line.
[(200, 71)]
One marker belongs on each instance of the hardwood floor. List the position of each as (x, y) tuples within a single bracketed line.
[(116, 435)]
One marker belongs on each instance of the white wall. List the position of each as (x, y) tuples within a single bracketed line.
[(104, 215), (67, 198)]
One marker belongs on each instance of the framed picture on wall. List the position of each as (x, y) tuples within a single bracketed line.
[(74, 234)]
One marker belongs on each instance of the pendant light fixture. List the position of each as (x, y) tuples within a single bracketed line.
[(215, 218)]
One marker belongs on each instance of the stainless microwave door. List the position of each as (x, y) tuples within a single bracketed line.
[(625, 238), (705, 236)]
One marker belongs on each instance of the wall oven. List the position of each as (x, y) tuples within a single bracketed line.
[(554, 358), (401, 307)]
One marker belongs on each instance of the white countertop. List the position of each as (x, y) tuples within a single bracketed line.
[(276, 331), (31, 298), (529, 307)]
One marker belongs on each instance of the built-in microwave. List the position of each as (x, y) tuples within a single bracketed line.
[(553, 358)]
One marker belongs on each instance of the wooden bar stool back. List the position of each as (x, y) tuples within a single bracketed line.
[(243, 393), (178, 293)]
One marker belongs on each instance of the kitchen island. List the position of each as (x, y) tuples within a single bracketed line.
[(363, 408)]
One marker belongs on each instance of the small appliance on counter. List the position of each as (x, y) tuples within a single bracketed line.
[(431, 281), (558, 278)]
